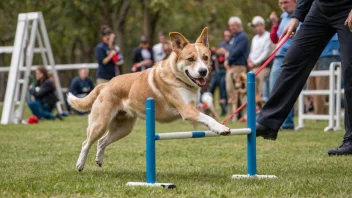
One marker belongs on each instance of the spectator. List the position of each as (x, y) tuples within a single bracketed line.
[(218, 79), (82, 85), (158, 50), (142, 56), (260, 51), (167, 49), (288, 6), (237, 56), (43, 98), (330, 54), (105, 56), (118, 59), (225, 44)]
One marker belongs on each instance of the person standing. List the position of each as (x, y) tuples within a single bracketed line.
[(322, 20), (218, 79), (237, 57), (288, 6), (158, 50), (260, 51), (105, 55), (142, 58)]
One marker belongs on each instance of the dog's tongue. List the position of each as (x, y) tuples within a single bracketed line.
[(201, 81)]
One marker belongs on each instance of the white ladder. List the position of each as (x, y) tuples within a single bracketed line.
[(30, 28)]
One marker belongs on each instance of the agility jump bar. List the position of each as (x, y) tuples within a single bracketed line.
[(199, 134)]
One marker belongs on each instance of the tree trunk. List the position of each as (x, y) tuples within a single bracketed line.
[(150, 20), (121, 19)]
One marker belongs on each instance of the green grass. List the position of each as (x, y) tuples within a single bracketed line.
[(39, 161)]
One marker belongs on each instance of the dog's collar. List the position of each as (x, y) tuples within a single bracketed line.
[(190, 86)]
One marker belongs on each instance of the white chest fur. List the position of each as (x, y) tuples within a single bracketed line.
[(188, 96)]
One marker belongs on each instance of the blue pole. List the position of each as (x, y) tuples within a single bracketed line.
[(150, 141), (251, 118)]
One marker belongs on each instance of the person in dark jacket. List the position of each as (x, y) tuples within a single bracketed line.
[(105, 56), (43, 95), (142, 56), (82, 85), (322, 19)]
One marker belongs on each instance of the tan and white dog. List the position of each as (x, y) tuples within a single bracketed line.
[(174, 84)]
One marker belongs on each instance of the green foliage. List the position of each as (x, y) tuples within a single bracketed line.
[(73, 25)]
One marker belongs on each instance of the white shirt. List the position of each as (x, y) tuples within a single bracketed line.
[(158, 52), (260, 48), (146, 54)]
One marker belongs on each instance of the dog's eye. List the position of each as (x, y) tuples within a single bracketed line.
[(190, 59), (205, 58)]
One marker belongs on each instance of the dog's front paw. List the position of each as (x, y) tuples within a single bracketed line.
[(220, 129)]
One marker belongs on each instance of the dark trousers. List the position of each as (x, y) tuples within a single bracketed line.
[(319, 26), (41, 110), (218, 80)]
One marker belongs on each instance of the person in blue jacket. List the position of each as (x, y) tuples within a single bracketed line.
[(82, 85)]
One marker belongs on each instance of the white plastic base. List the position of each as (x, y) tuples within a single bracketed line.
[(250, 176), (164, 185)]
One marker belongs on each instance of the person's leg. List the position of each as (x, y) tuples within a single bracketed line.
[(100, 81), (223, 95), (345, 40), (230, 87), (266, 88), (46, 112), (311, 85), (214, 82), (35, 107), (300, 59), (274, 74), (275, 71)]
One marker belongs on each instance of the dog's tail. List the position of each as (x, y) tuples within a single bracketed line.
[(86, 103)]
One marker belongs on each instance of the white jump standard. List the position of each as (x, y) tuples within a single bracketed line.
[(151, 137)]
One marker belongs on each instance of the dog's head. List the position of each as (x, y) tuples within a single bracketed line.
[(239, 79), (192, 59)]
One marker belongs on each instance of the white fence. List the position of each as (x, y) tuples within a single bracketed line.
[(62, 67), (334, 116)]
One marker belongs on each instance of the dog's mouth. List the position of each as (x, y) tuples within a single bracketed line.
[(199, 81)]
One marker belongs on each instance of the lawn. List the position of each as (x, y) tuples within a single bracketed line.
[(39, 161)]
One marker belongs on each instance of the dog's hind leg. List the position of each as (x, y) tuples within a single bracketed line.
[(119, 127), (97, 124)]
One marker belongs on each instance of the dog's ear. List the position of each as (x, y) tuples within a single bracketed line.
[(178, 41), (203, 38)]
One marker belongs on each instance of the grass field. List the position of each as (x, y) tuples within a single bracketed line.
[(39, 161)]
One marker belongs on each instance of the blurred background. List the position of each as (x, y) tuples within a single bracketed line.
[(74, 25)]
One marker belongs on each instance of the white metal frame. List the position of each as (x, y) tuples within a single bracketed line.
[(334, 116), (30, 28)]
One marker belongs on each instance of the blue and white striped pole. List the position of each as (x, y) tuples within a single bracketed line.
[(251, 123), (150, 150), (150, 141)]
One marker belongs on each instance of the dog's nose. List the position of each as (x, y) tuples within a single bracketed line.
[(203, 72)]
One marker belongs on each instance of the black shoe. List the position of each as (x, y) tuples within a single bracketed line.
[(58, 116), (288, 127), (344, 149), (266, 132)]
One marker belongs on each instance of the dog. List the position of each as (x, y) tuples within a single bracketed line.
[(240, 94), (207, 105), (174, 84)]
